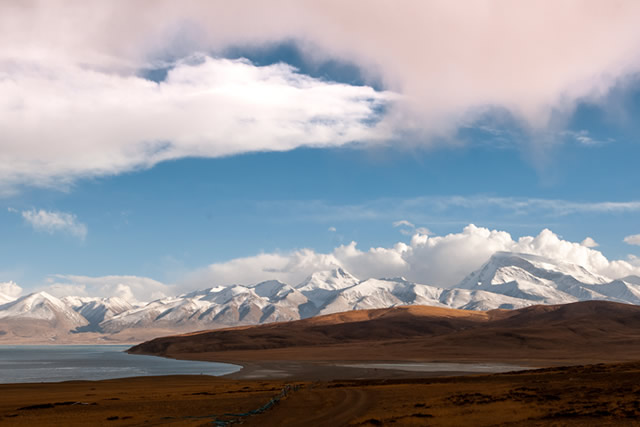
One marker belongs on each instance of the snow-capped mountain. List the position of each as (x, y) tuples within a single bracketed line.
[(5, 299), (506, 281), (323, 286), (42, 306), (221, 306), (634, 280), (546, 281), (273, 301), (97, 310)]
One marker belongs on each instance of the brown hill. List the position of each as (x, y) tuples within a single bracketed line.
[(592, 331)]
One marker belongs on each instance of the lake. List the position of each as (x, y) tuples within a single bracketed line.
[(51, 363)]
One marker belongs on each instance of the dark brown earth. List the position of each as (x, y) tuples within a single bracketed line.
[(595, 395), (578, 333)]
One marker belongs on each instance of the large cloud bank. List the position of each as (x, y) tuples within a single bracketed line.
[(436, 260), (130, 288), (72, 102)]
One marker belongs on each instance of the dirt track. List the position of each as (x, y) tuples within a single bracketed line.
[(313, 407)]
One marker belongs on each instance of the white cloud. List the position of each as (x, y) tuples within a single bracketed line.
[(76, 77), (633, 239), (403, 223), (91, 122), (548, 207), (10, 289), (332, 229), (437, 260), (408, 228), (589, 243), (131, 288), (442, 208), (423, 230), (584, 138), (54, 222)]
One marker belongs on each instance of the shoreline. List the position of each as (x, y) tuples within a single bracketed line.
[(577, 395), (55, 364), (344, 369)]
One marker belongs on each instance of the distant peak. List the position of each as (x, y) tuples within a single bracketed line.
[(41, 294), (341, 273), (395, 279), (269, 282)]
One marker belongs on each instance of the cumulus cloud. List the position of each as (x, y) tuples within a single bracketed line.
[(54, 222), (77, 77), (634, 239), (589, 243), (10, 289), (131, 288), (437, 260)]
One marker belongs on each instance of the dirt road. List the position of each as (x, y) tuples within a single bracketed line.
[(312, 406)]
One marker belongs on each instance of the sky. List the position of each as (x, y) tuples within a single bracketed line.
[(153, 148)]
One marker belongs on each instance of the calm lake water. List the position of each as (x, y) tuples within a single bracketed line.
[(51, 363)]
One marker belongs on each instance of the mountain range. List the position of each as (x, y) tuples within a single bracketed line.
[(505, 281)]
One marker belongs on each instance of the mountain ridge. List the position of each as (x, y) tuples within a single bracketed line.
[(506, 281), (580, 332)]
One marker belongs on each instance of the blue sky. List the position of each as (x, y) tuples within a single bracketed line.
[(166, 211)]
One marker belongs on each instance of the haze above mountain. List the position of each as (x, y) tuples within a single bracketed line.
[(507, 281)]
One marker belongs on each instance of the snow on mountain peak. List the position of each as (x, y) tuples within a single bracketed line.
[(501, 264), (42, 306), (96, 310), (546, 281), (335, 279), (5, 299), (270, 288)]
